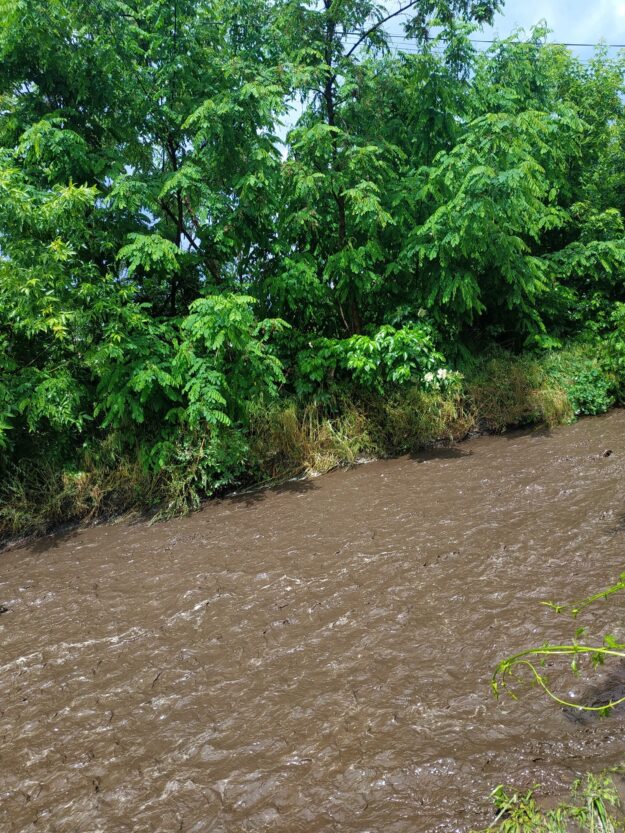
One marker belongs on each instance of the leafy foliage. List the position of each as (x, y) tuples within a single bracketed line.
[(173, 258), (388, 358)]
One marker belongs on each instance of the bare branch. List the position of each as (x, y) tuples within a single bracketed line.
[(377, 25), (183, 230)]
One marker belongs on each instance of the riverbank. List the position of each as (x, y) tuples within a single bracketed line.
[(287, 439)]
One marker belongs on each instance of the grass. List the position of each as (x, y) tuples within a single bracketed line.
[(36, 497), (593, 807), (508, 391), (286, 441)]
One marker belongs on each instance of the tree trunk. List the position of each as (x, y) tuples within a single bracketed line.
[(354, 321)]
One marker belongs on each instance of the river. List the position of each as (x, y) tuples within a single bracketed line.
[(314, 657)]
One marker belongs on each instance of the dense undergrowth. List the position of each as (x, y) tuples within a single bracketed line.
[(287, 439), (244, 240)]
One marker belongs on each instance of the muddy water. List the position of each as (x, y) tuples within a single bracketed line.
[(313, 658)]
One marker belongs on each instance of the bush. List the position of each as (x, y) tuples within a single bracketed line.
[(613, 353), (370, 363)]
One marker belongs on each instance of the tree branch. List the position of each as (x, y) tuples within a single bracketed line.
[(183, 230), (377, 25)]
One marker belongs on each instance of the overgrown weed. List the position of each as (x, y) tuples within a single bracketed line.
[(288, 441), (415, 419), (35, 497)]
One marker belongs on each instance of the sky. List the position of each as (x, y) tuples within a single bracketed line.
[(572, 21)]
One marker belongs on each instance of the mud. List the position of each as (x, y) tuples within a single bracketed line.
[(316, 657)]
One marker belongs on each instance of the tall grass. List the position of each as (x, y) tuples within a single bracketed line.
[(286, 440), (36, 497), (509, 391)]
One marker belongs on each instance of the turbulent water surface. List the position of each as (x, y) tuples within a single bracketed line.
[(315, 657)]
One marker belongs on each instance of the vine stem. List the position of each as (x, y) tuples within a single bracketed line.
[(504, 669)]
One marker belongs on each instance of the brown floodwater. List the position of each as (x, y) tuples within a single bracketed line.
[(314, 657)]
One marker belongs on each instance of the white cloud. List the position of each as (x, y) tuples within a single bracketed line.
[(572, 21)]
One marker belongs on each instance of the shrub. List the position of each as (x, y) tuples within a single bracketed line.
[(371, 363), (613, 353)]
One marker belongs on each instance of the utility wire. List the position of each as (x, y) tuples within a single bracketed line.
[(398, 44), (557, 43), (406, 40), (501, 40)]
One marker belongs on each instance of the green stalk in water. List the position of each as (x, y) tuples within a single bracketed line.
[(534, 658)]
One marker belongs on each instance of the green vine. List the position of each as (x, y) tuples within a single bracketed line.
[(535, 658)]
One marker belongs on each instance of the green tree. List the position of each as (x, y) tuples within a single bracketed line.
[(137, 164), (343, 173), (158, 228)]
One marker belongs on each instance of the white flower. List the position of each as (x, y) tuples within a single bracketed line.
[(429, 377), (441, 373), (422, 313)]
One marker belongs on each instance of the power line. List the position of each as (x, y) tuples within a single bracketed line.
[(398, 45), (404, 39), (557, 43), (408, 48)]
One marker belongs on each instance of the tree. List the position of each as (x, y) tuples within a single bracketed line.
[(423, 205), (137, 159), (337, 161)]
